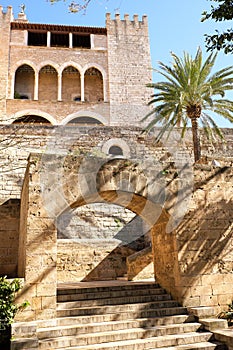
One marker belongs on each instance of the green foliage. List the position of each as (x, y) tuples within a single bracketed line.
[(227, 315), (190, 94), (223, 12), (74, 6), (8, 308)]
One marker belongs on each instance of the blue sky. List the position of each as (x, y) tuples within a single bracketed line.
[(174, 25)]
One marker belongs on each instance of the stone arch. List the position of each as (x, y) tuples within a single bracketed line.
[(54, 183), (29, 112), (94, 83), (83, 113), (24, 81), (71, 84), (48, 63), (70, 63), (48, 83), (122, 144)]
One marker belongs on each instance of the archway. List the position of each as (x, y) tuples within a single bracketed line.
[(71, 84), (93, 82), (71, 182), (85, 120), (96, 242), (24, 82), (32, 120), (48, 83)]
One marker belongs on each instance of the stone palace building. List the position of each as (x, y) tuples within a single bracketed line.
[(85, 195)]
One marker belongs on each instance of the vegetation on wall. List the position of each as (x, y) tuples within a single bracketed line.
[(8, 307)]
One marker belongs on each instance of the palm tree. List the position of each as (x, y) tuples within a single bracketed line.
[(191, 94)]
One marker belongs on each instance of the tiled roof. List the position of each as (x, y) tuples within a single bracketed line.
[(58, 28)]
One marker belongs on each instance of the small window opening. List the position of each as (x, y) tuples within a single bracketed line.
[(81, 41), (115, 151), (77, 98), (60, 39), (37, 38)]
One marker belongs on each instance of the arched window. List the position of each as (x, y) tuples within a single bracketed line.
[(115, 151), (71, 84), (82, 121), (93, 84), (31, 119), (48, 83), (24, 82)]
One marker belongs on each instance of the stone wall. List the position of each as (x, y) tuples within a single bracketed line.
[(5, 19), (129, 65), (195, 262), (9, 233), (18, 142)]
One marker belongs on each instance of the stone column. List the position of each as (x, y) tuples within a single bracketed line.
[(59, 96), (48, 39), (36, 86), (70, 40), (38, 250), (82, 87)]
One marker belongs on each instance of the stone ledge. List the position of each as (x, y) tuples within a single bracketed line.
[(225, 336), (24, 344), (212, 324), (202, 311)]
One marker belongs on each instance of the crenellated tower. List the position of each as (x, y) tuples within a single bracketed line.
[(5, 24), (129, 64)]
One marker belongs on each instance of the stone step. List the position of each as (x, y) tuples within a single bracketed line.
[(128, 325), (108, 294), (103, 288), (72, 343), (124, 314), (203, 345), (111, 319), (115, 301)]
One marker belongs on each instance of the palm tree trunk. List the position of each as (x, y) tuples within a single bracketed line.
[(196, 139)]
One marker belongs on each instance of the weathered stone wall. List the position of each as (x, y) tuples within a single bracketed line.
[(5, 19), (94, 222), (21, 141), (96, 260), (37, 252), (56, 112), (129, 65), (9, 233), (186, 257), (195, 262), (95, 240)]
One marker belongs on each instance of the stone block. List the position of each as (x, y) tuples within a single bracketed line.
[(211, 324), (202, 311)]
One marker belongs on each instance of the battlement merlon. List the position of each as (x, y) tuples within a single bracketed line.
[(125, 23), (8, 14)]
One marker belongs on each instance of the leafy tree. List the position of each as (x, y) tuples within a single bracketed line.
[(74, 6), (190, 94), (223, 12)]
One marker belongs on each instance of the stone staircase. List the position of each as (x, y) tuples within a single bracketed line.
[(125, 316)]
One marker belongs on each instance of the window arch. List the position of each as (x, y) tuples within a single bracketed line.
[(93, 82), (48, 83), (31, 119), (85, 121), (71, 84), (24, 82), (116, 147), (115, 151)]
